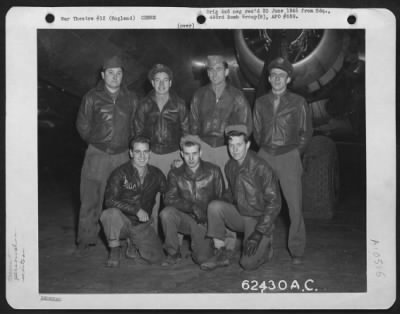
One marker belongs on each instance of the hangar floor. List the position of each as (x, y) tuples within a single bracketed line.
[(335, 258)]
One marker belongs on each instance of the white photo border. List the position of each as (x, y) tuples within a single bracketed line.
[(22, 24)]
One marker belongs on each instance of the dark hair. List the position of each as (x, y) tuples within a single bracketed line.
[(237, 133), (139, 139), (190, 144)]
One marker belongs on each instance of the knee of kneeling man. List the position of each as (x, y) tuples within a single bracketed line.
[(167, 212), (108, 213), (214, 207)]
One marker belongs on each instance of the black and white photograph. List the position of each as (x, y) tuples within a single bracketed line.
[(202, 163)]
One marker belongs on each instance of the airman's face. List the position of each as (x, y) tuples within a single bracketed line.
[(161, 83), (140, 154), (238, 148), (217, 73), (191, 155), (112, 77), (278, 79)]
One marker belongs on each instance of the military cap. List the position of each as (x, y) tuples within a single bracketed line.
[(241, 128), (281, 63), (159, 68), (190, 138), (214, 59), (112, 62)]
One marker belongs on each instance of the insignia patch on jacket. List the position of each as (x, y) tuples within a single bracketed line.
[(129, 185)]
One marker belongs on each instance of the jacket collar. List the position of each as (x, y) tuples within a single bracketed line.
[(172, 97), (228, 86), (283, 95), (191, 174), (284, 99)]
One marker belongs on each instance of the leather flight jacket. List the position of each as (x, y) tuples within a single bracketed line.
[(164, 128), (126, 192), (288, 128), (107, 123), (254, 190), (187, 189), (210, 116)]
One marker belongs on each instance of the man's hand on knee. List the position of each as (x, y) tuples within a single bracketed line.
[(252, 243), (142, 215), (199, 215)]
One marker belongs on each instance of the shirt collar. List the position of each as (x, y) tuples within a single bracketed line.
[(283, 97), (227, 87), (279, 94), (152, 96), (136, 172)]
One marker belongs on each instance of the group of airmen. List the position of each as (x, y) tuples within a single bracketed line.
[(195, 161)]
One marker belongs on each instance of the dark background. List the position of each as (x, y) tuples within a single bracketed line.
[(392, 5)]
